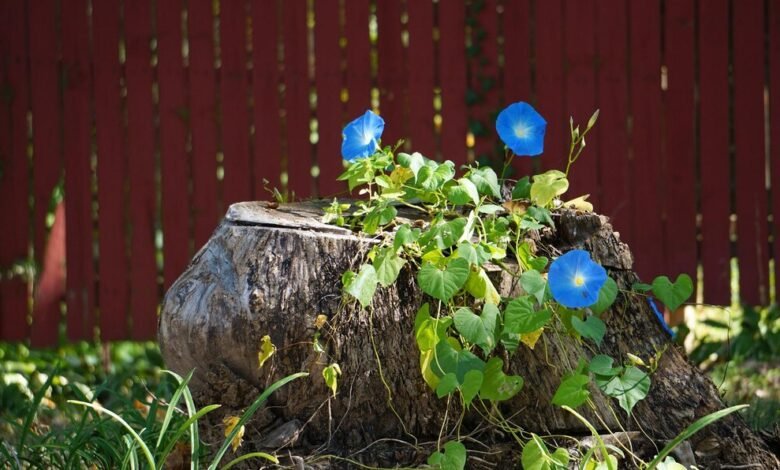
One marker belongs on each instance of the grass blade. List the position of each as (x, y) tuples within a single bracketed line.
[(183, 428), (116, 417), (695, 427), (251, 411), (36, 402), (172, 406), (191, 410), (252, 455)]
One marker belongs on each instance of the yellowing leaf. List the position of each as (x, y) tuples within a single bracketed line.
[(426, 358), (530, 339), (330, 374), (581, 203), (230, 423), (267, 349), (516, 207), (636, 360), (320, 321), (401, 175)]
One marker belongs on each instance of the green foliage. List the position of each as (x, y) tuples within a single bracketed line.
[(453, 457), (673, 294), (536, 456)]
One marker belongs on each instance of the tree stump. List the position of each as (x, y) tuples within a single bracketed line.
[(273, 271)]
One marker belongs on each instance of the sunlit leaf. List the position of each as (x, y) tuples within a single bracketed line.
[(267, 349), (230, 423)]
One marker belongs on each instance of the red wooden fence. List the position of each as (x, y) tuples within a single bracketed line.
[(156, 115)]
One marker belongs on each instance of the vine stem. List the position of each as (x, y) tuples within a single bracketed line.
[(508, 155)]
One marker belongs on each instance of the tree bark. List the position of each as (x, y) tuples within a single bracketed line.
[(273, 271)]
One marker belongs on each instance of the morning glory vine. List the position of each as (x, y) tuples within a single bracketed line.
[(466, 230)]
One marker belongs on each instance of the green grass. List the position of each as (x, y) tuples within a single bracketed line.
[(109, 407)]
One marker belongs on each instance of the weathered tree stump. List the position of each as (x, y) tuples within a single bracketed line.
[(272, 271)]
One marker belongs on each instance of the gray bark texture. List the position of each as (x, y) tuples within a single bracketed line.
[(271, 270)]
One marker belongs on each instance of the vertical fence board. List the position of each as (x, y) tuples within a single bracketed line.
[(611, 149), (112, 168), (645, 96), (14, 179), (47, 168), (483, 80), (580, 43), (550, 82), (421, 78), (140, 151), (391, 71), (714, 149), (265, 83), (774, 119), (680, 160), (752, 236), (329, 107), (80, 275), (203, 120), (517, 66), (297, 112), (452, 77), (235, 108), (174, 115), (358, 70)]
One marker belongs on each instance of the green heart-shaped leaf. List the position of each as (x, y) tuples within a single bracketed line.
[(547, 186), (443, 283), (629, 388), (479, 330), (453, 457), (607, 296), (573, 391), (533, 283), (673, 295), (387, 265), (448, 359), (496, 385), (463, 192), (520, 316), (486, 181), (472, 382), (363, 286), (592, 328)]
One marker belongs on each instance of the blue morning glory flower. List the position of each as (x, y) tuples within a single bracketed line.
[(360, 137), (522, 129), (575, 280), (660, 317)]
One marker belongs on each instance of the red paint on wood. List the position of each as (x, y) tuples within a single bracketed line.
[(580, 44), (391, 74), (646, 178), (452, 79), (174, 114), (329, 107), (203, 121), (14, 180), (47, 169), (50, 285), (517, 67), (238, 182), (144, 292), (358, 68), (265, 83), (611, 149), (550, 83), (680, 161), (113, 295), (421, 78), (714, 149), (774, 119), (296, 102), (81, 277), (752, 236), (483, 79)]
